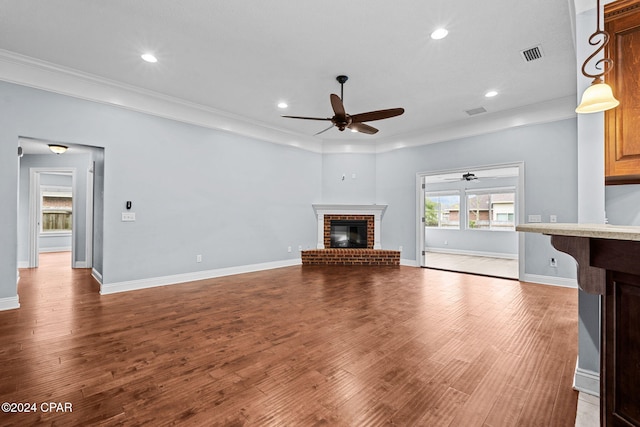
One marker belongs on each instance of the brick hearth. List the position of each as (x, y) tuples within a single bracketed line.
[(340, 256)]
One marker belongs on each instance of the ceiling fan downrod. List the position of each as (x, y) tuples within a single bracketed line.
[(342, 79)]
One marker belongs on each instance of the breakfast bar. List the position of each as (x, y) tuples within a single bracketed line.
[(608, 260)]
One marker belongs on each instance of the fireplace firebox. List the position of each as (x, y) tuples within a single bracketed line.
[(348, 233)]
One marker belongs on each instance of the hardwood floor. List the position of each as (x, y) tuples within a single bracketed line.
[(297, 346)]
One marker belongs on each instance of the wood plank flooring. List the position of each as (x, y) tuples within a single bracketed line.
[(297, 346)]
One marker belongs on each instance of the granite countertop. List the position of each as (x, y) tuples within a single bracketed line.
[(600, 231)]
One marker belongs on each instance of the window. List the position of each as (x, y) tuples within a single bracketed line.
[(493, 210), (442, 210), (57, 211)]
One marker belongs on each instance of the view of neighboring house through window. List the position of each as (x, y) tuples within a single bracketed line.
[(442, 210), (491, 211), (56, 211)]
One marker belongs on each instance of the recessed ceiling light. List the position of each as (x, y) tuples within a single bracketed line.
[(491, 94), (282, 105), (149, 57), (440, 33), (354, 131)]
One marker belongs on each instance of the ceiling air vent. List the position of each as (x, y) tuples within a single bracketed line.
[(531, 54), (475, 111)]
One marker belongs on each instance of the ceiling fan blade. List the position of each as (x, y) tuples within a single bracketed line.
[(323, 131), (376, 115), (306, 118), (338, 106), (362, 128)]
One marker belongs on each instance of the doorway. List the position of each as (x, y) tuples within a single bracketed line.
[(56, 203), (467, 219), (50, 218)]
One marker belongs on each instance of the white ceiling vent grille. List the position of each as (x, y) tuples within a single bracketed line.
[(475, 111), (532, 54)]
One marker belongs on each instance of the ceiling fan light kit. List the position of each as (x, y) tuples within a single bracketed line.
[(355, 122), (599, 96)]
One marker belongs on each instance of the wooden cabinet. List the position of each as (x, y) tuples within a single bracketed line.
[(622, 124), (620, 342)]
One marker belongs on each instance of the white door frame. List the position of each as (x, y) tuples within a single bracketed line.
[(35, 213), (520, 208)]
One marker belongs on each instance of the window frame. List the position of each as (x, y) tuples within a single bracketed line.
[(491, 191), (55, 191), (440, 193)]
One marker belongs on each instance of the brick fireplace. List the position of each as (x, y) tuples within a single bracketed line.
[(373, 254)]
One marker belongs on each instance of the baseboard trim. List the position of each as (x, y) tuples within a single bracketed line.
[(96, 275), (9, 303), (586, 381), (80, 264), (472, 253), (60, 249), (23, 264), (132, 285), (409, 262), (550, 280)]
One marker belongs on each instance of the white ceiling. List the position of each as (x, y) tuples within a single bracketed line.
[(240, 58)]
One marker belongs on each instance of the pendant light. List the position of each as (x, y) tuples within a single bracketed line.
[(599, 96)]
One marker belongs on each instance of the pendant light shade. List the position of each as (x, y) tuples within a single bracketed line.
[(598, 97)]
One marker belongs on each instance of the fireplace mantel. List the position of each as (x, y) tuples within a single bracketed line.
[(344, 209)]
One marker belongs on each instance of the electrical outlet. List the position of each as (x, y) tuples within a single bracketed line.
[(553, 262), (553, 218), (535, 218), (300, 248), (288, 248), (198, 258), (400, 248), (128, 216)]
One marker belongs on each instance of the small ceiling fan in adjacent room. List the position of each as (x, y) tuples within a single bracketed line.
[(343, 121), (469, 176)]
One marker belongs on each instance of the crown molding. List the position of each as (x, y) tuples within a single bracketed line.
[(543, 112), (31, 72)]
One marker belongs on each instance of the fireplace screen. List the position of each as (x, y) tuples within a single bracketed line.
[(348, 234)]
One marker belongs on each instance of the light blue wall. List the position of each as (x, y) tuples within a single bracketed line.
[(359, 183), (234, 200), (98, 211), (549, 155), (623, 204)]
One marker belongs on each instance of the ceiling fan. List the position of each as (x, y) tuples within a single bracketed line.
[(342, 120), (469, 176)]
